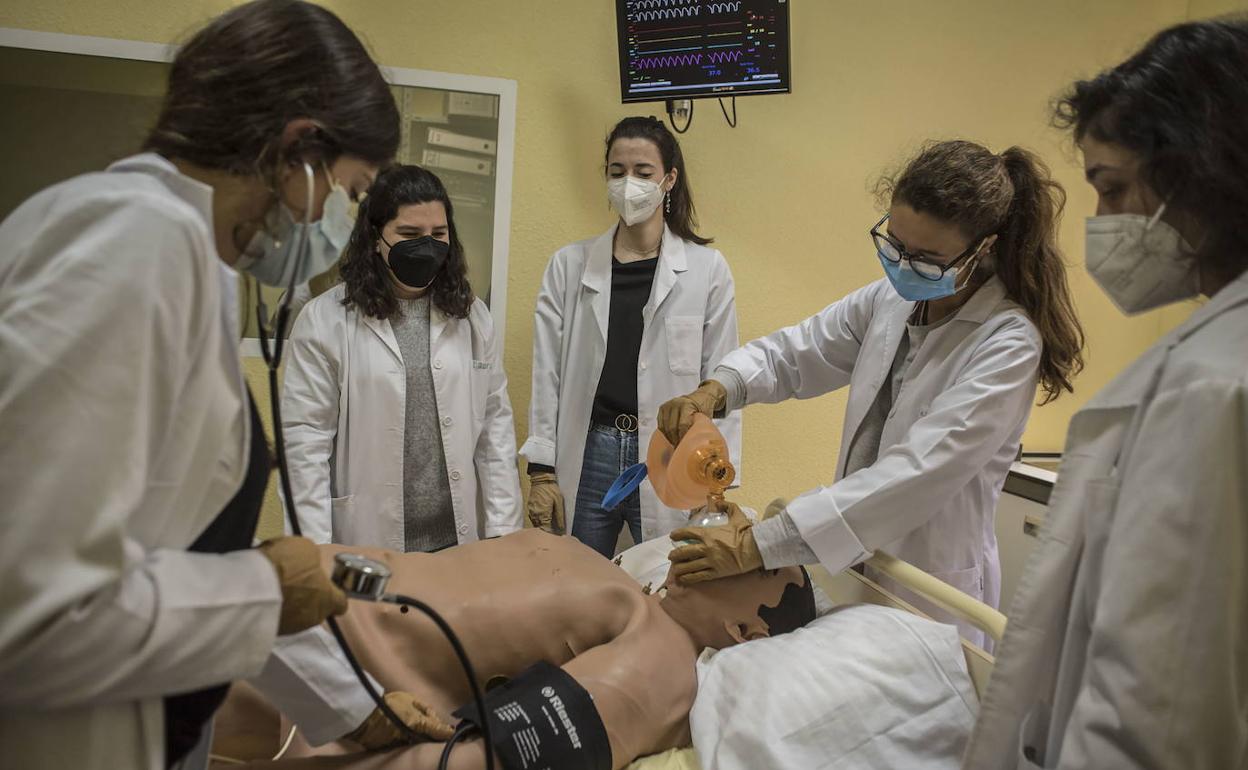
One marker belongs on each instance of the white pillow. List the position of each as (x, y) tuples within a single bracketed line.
[(861, 687)]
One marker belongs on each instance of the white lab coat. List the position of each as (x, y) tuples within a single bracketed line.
[(947, 444), (343, 405), (690, 322), (1127, 645), (123, 433)]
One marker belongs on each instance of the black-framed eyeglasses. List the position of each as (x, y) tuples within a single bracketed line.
[(894, 252)]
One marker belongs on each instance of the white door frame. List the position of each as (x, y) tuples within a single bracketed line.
[(504, 89)]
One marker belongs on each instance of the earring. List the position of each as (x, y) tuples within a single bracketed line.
[(667, 202)]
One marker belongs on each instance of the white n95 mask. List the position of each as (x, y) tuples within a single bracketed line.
[(1140, 262), (634, 199), (272, 256)]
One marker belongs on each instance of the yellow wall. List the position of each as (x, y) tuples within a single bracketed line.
[(786, 193)]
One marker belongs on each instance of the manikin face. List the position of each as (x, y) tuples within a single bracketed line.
[(721, 613)]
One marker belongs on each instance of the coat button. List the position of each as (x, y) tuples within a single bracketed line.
[(447, 421), (454, 475), (437, 363), (463, 529), (642, 366)]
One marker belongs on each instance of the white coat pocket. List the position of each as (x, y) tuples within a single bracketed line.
[(341, 509), (482, 373), (969, 581), (684, 344)]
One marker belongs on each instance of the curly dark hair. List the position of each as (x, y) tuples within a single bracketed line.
[(1013, 196), (1180, 104), (365, 274), (682, 217)]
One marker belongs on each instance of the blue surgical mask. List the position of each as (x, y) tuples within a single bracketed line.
[(274, 257), (914, 287)]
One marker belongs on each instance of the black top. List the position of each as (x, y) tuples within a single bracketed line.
[(232, 530), (617, 384)]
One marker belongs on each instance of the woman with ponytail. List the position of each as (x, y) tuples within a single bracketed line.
[(942, 359)]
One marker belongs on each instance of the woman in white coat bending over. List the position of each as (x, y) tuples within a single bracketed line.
[(398, 427), (941, 358), (1127, 645), (624, 322), (132, 459)]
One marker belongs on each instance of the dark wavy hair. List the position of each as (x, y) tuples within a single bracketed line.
[(1181, 105), (682, 218), (236, 84), (364, 272), (1013, 196)]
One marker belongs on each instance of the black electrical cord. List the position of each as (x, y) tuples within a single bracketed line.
[(273, 359), (477, 695), (732, 122), (671, 108), (456, 737)]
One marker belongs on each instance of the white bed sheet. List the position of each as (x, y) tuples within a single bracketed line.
[(863, 686)]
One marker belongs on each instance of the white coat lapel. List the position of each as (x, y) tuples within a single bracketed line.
[(597, 279), (672, 262), (893, 317), (438, 322), (385, 332)]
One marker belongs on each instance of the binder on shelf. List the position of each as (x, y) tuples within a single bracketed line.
[(452, 161), (444, 138)]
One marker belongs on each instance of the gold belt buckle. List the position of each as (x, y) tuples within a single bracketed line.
[(626, 423)]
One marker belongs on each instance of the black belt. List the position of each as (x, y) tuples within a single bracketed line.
[(624, 423)]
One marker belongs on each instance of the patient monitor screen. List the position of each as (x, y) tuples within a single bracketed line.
[(685, 49)]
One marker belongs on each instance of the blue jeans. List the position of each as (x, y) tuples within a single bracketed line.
[(608, 453)]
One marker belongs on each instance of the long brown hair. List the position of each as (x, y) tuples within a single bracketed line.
[(236, 84), (679, 213), (364, 272), (1013, 196)]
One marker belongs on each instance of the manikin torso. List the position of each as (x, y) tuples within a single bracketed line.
[(513, 601)]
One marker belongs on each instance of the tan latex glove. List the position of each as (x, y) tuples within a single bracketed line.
[(378, 732), (719, 552), (308, 596), (676, 415), (545, 504)]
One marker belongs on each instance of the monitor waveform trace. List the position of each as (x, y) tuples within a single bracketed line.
[(672, 49)]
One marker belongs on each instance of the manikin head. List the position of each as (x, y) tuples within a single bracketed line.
[(756, 605)]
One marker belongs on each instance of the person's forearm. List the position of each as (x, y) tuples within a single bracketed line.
[(734, 386), (780, 544)]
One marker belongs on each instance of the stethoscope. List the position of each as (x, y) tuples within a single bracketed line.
[(359, 577)]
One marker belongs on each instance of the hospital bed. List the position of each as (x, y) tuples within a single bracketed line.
[(848, 588)]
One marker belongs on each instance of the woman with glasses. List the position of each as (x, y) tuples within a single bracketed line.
[(942, 359)]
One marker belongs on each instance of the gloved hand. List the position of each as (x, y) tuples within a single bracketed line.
[(719, 552), (545, 504), (378, 732), (308, 596), (676, 415)]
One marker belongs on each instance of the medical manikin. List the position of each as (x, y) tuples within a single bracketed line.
[(530, 597)]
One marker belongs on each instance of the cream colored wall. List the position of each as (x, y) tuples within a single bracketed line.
[(786, 193)]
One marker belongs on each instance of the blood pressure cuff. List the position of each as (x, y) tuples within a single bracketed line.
[(543, 718)]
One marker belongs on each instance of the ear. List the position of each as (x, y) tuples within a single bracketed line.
[(743, 632), (671, 179)]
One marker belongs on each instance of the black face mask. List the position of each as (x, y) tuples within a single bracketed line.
[(417, 261)]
